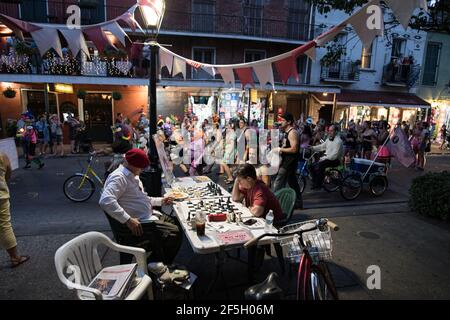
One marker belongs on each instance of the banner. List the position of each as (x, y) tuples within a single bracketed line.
[(47, 39), (400, 147), (264, 72), (404, 9), (179, 66)]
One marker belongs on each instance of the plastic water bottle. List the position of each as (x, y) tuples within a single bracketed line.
[(269, 222)]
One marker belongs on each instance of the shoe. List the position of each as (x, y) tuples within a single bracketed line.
[(41, 165), (28, 166), (22, 259)]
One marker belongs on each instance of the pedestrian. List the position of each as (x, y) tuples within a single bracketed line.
[(7, 238), (443, 136), (74, 129), (289, 152), (424, 146), (369, 138), (383, 151), (30, 139), (57, 135), (43, 131)]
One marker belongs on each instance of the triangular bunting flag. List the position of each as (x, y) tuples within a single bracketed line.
[(179, 66), (210, 70), (75, 40), (404, 9), (196, 65), (46, 39), (165, 59), (302, 49), (368, 24), (227, 75), (264, 72), (117, 31), (14, 23), (326, 37), (245, 75), (128, 18), (286, 68), (98, 37), (311, 53)]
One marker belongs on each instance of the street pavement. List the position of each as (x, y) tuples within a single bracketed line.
[(413, 252)]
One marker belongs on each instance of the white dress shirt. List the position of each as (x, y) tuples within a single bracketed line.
[(123, 197), (333, 149)]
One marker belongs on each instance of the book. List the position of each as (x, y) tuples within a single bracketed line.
[(114, 282)]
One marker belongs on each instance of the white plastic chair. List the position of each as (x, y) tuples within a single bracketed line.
[(77, 263)]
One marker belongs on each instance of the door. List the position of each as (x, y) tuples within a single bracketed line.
[(297, 107), (98, 116), (326, 113)]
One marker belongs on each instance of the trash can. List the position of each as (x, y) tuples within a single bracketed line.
[(151, 179)]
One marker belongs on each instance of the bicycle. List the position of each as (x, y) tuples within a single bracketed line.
[(335, 178), (308, 244), (80, 187)]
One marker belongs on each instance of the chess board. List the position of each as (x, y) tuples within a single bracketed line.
[(210, 206), (205, 190)]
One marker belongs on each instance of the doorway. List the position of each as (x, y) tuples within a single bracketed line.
[(325, 113), (98, 116)]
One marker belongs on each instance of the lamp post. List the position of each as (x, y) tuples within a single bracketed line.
[(152, 12)]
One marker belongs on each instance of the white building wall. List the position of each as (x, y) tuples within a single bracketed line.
[(370, 79)]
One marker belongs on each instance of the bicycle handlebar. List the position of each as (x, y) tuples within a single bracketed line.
[(318, 224)]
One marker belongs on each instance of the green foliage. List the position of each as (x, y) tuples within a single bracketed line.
[(23, 49), (81, 93), (430, 195), (9, 93), (116, 95), (334, 53), (11, 128)]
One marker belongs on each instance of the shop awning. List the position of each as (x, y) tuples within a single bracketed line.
[(375, 99)]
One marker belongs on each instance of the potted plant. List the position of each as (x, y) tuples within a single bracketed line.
[(116, 95), (88, 4), (9, 93), (81, 93)]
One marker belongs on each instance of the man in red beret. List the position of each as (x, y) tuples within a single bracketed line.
[(124, 199)]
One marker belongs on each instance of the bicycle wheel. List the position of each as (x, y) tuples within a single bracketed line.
[(321, 283), (332, 180), (78, 188), (301, 182), (378, 185), (351, 187)]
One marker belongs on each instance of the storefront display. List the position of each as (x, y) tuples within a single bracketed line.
[(231, 104), (204, 107)]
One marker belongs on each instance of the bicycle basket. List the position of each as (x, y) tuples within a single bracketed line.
[(318, 242)]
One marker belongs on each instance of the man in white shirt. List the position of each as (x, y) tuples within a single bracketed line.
[(124, 199), (334, 151)]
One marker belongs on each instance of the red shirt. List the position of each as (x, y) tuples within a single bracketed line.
[(261, 195)]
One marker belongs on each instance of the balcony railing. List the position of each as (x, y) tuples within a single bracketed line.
[(235, 25), (181, 21), (14, 63), (341, 71), (403, 75)]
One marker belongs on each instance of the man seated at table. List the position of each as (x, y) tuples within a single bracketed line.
[(124, 199), (257, 195)]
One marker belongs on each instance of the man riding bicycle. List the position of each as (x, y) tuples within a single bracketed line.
[(334, 150)]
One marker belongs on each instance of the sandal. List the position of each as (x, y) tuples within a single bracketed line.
[(22, 259), (229, 181)]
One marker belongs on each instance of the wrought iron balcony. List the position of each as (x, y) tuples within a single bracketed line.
[(344, 71), (401, 75), (235, 25)]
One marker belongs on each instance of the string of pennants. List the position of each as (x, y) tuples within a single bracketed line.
[(46, 37)]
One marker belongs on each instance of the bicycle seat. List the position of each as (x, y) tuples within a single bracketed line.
[(266, 290)]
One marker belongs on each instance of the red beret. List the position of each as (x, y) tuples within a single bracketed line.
[(137, 158)]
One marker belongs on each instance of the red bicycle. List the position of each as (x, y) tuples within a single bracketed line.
[(309, 244)]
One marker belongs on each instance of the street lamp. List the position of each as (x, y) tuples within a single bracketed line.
[(152, 12)]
